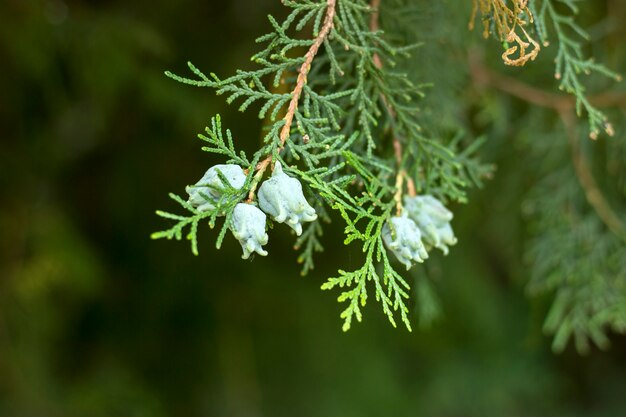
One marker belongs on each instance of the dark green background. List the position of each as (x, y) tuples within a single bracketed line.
[(98, 320)]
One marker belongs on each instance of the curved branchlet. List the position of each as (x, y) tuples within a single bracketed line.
[(507, 24)]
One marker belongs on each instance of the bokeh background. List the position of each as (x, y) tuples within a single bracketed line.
[(98, 320)]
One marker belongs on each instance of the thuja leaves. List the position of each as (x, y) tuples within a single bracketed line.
[(524, 26), (571, 60), (335, 111)]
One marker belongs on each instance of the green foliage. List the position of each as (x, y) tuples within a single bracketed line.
[(224, 206), (354, 105), (576, 247), (345, 111), (571, 60), (505, 22), (366, 225), (96, 321), (573, 254)]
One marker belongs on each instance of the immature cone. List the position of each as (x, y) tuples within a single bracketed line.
[(206, 192), (433, 219), (248, 227), (281, 197), (402, 236)]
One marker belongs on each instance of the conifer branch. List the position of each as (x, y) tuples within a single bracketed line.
[(508, 25), (305, 68), (594, 195), (573, 255), (564, 105), (297, 91), (342, 102), (343, 120), (570, 61)]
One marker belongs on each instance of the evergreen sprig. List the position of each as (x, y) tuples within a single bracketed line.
[(573, 254), (342, 115), (517, 25), (571, 60), (349, 129)]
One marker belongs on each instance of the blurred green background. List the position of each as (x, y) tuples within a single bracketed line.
[(98, 320)]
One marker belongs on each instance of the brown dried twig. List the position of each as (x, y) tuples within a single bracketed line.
[(507, 22), (524, 56)]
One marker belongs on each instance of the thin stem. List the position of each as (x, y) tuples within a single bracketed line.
[(410, 186), (398, 195), (297, 92), (483, 76), (305, 68), (374, 25)]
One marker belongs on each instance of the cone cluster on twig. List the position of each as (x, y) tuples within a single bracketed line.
[(280, 196)]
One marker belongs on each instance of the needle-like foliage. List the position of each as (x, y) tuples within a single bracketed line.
[(335, 130), (343, 102), (571, 60), (575, 251)]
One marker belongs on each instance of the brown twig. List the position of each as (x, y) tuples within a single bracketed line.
[(564, 106), (506, 22), (297, 91), (305, 68), (398, 194), (483, 76), (523, 56), (587, 181)]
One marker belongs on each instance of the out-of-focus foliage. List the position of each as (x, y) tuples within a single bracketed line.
[(97, 320)]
